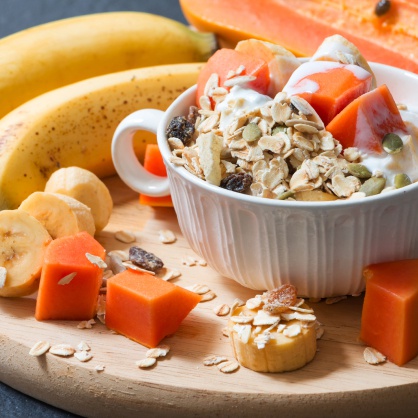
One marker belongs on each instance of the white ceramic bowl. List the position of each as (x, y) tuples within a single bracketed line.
[(320, 247)]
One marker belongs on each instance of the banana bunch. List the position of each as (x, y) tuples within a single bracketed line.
[(74, 125), (55, 54)]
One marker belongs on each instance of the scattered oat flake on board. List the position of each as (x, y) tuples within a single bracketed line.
[(99, 368), (336, 299), (3, 274), (67, 279), (188, 261), (208, 296), (160, 351), (213, 360), (132, 266), (225, 332), (86, 324), (94, 259), (200, 289), (83, 356), (228, 366), (123, 255), (221, 310), (202, 263), (40, 348), (125, 236), (83, 346), (62, 350), (171, 274), (372, 356), (146, 362), (101, 305), (166, 236)]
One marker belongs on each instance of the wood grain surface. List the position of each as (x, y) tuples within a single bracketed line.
[(338, 382)]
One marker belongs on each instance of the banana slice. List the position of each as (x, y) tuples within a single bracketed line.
[(59, 214), (272, 342), (86, 187), (337, 48), (23, 241)]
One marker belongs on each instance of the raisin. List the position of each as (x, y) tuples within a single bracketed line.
[(239, 182), (382, 7), (279, 300), (180, 128), (193, 114), (144, 259)]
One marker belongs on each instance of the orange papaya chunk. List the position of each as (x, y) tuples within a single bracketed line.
[(64, 297), (301, 25), (225, 60), (365, 121), (153, 162), (146, 308), (389, 320), (328, 86)]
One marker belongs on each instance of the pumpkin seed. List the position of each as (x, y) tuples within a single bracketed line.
[(278, 129), (359, 170), (392, 143), (373, 186), (251, 132), (286, 195), (402, 180)]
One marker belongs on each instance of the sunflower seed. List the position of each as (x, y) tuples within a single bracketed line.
[(40, 348)]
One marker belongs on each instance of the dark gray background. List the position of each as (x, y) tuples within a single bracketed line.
[(16, 15)]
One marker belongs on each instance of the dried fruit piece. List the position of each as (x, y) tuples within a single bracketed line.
[(238, 182), (144, 259), (278, 300), (181, 128)]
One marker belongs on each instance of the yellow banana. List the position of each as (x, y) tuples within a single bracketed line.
[(74, 125), (55, 54)]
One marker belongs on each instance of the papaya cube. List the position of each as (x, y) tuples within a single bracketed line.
[(61, 296), (328, 86), (154, 163), (145, 308), (366, 120), (389, 320)]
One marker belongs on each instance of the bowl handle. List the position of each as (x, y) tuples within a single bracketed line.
[(126, 163)]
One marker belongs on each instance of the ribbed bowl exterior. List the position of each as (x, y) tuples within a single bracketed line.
[(321, 250)]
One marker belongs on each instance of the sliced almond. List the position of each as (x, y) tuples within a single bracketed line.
[(243, 332), (62, 350), (40, 348), (292, 330), (264, 318), (241, 319), (67, 279)]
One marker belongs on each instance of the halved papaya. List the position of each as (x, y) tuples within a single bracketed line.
[(301, 25)]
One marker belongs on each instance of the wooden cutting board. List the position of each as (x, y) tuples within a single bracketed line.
[(338, 382)]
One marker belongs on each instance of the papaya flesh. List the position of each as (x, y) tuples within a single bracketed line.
[(301, 25)]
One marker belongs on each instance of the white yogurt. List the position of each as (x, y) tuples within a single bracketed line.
[(406, 161), (239, 101)]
